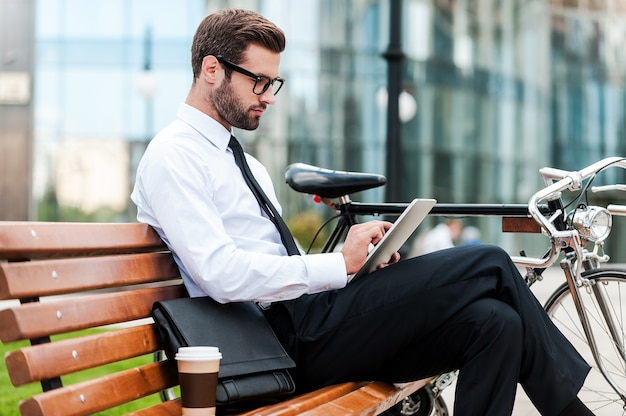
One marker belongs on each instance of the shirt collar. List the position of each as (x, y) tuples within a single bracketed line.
[(205, 125)]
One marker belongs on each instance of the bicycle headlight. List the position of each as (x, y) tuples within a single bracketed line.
[(592, 223)]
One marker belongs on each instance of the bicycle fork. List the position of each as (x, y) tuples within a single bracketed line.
[(598, 292)]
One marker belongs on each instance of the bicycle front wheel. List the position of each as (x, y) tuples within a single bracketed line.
[(597, 393)]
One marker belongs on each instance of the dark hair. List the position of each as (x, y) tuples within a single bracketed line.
[(229, 32)]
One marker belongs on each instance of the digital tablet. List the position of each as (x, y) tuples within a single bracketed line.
[(397, 235)]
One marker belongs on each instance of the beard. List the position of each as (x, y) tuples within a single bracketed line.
[(230, 108)]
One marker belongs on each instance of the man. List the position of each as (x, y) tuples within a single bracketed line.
[(465, 308)]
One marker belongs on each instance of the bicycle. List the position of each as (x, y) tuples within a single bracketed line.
[(589, 307)]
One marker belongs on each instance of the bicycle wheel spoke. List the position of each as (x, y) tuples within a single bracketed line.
[(604, 306), (601, 326)]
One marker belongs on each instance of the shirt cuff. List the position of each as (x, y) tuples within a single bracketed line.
[(326, 271)]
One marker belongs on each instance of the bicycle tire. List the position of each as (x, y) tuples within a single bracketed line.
[(597, 394)]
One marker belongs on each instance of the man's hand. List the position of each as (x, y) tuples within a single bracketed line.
[(359, 237)]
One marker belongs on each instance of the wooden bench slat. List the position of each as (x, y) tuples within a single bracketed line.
[(58, 358), (28, 240), (50, 277), (38, 319), (371, 399), (352, 398), (300, 404), (168, 408), (102, 393), (291, 407)]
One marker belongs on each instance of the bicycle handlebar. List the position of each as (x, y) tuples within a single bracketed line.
[(565, 180), (603, 188)]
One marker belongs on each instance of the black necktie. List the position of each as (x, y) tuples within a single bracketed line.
[(264, 201)]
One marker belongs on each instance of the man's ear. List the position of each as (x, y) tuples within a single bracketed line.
[(209, 69)]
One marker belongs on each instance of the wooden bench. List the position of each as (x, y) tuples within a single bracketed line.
[(71, 277)]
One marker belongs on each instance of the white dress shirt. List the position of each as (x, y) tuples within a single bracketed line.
[(190, 190)]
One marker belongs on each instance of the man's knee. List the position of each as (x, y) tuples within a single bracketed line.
[(493, 252), (495, 326), (506, 321)]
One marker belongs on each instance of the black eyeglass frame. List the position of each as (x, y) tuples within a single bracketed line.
[(255, 77)]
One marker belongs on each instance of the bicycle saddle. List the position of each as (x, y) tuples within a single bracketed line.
[(329, 183)]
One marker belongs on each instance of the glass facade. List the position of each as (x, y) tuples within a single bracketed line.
[(493, 90)]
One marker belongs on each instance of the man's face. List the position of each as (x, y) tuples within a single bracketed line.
[(235, 102), (231, 108)]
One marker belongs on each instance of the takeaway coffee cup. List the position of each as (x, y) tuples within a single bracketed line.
[(197, 372)]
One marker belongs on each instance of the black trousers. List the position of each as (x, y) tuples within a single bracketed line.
[(464, 308)]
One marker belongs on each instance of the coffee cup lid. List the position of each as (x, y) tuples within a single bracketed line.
[(198, 353)]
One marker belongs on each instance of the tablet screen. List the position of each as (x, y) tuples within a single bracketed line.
[(397, 235)]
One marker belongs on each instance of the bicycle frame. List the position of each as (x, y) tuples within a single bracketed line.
[(348, 210)]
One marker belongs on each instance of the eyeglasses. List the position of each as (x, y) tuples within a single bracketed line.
[(261, 82)]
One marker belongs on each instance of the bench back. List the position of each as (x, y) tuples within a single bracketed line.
[(68, 277)]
